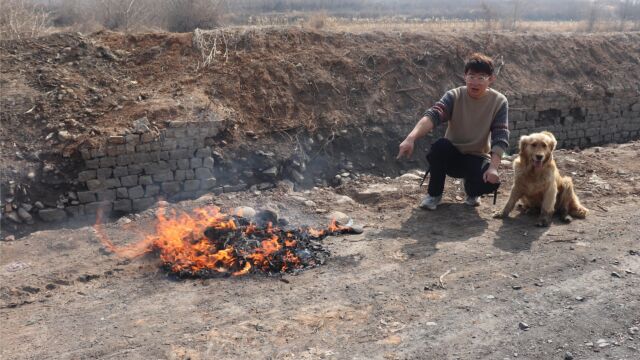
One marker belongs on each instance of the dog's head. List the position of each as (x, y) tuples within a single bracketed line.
[(536, 149)]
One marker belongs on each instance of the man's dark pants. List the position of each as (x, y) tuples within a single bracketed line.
[(445, 159)]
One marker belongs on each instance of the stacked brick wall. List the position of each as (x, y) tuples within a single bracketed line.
[(130, 172), (595, 119)]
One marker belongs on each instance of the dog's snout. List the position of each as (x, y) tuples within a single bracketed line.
[(539, 157)]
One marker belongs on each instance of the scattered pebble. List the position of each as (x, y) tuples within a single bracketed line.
[(523, 326), (634, 330), (579, 298), (615, 274), (516, 287), (568, 356), (10, 238)]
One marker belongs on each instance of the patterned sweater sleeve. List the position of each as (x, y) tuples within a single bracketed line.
[(500, 130), (442, 110)]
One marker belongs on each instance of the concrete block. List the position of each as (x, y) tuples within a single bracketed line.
[(116, 139), (104, 173), (196, 163), (180, 175), (98, 152), (179, 154), (132, 139), (94, 184), (136, 192), (189, 174), (111, 183), (151, 190), (135, 169), (143, 148), (165, 175), (144, 203), (124, 160), (208, 162), (192, 185), (148, 137), (124, 205), (93, 207), (120, 171), (52, 215), (86, 196), (74, 210), (164, 155), (130, 148), (169, 144), (92, 164), (173, 165), (171, 187), (203, 152), (129, 181), (183, 164), (145, 180), (122, 193), (106, 195), (107, 161), (185, 143), (203, 173), (151, 168), (87, 175)]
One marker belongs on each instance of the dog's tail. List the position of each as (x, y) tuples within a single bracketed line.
[(573, 205)]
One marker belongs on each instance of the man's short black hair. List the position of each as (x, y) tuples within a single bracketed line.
[(479, 63)]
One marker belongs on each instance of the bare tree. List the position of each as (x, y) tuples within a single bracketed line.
[(124, 14), (188, 15), (20, 19)]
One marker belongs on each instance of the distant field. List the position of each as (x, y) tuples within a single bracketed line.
[(320, 21)]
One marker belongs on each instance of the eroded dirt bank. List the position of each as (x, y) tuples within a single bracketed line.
[(279, 89)]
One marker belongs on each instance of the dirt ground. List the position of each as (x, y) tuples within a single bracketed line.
[(449, 284)]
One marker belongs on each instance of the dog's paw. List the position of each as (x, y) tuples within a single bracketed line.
[(566, 219), (544, 222)]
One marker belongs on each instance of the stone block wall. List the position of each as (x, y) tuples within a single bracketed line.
[(594, 119), (130, 172)]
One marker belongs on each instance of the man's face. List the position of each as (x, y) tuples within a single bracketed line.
[(477, 83)]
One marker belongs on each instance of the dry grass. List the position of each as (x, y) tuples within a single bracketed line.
[(20, 19), (366, 25)]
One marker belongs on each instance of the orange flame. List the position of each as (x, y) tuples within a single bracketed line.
[(183, 246)]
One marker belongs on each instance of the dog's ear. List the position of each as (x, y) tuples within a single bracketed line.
[(553, 142), (522, 145)]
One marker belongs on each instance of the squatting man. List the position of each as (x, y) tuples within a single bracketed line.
[(476, 137)]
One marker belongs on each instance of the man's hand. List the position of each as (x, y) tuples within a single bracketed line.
[(491, 175), (406, 148)]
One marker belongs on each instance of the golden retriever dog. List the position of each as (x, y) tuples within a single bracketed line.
[(538, 184)]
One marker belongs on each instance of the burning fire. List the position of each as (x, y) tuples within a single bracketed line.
[(209, 242)]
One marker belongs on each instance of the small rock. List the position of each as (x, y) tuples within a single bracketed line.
[(9, 238), (340, 217), (321, 211), (431, 323), (271, 172), (568, 356), (310, 203), (27, 207), (344, 199), (615, 274), (13, 216), (141, 126), (297, 177), (516, 287), (245, 212), (64, 135), (39, 205), (589, 344), (123, 221), (357, 229), (287, 185), (633, 330), (25, 216), (579, 298), (266, 216), (515, 275), (490, 297), (410, 177), (523, 326)]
